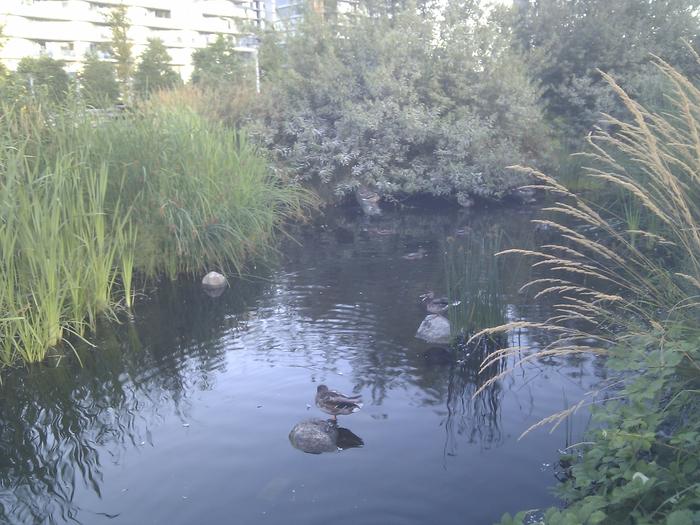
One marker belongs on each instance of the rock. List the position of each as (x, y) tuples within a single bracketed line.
[(314, 436), (465, 201), (368, 201), (214, 292), (214, 280), (524, 195), (434, 329)]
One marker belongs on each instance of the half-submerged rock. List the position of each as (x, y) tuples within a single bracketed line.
[(434, 329), (214, 284), (315, 436), (368, 201)]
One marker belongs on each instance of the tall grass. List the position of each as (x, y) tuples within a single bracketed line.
[(88, 202), (639, 302), (474, 284)]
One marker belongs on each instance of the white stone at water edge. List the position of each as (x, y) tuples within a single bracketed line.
[(214, 280), (434, 329)]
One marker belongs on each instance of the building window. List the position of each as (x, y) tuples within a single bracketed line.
[(159, 13)]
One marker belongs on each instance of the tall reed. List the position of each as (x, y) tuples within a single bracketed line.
[(635, 303), (474, 283), (87, 202)]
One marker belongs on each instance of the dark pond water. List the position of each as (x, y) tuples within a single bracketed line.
[(183, 416)]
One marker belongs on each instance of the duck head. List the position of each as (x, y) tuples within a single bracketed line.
[(428, 296)]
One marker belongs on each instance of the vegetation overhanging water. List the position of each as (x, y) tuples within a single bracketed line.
[(403, 100)]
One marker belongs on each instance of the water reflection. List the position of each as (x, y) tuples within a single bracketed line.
[(316, 436), (194, 395)]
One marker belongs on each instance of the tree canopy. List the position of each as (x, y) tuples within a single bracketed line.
[(383, 103), (219, 64), (120, 47), (154, 71), (99, 82), (567, 42), (44, 76)]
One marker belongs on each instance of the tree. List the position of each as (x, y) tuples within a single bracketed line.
[(154, 71), (566, 42), (3, 69), (120, 47), (99, 82), (219, 64), (396, 104), (44, 76)]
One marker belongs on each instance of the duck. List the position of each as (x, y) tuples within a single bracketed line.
[(414, 256), (436, 305), (334, 403)]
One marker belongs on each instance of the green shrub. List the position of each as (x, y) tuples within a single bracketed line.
[(387, 104), (634, 292)]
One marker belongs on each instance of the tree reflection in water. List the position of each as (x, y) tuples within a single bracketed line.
[(59, 422), (345, 304)]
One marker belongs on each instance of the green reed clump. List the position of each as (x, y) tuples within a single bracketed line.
[(204, 195), (88, 201), (639, 301), (474, 283)]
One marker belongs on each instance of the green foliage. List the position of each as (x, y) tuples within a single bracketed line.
[(384, 103), (220, 65), (43, 76), (566, 42), (98, 82), (632, 286), (203, 193), (87, 201), (475, 282), (120, 48), (154, 71)]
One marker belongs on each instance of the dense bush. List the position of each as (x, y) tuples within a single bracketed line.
[(566, 42), (385, 103)]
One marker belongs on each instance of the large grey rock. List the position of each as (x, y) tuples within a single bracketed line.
[(315, 436), (214, 280), (368, 201), (434, 329)]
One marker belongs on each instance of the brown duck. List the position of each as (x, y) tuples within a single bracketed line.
[(335, 403), (436, 305)]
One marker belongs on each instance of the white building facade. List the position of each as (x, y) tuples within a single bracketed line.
[(68, 29)]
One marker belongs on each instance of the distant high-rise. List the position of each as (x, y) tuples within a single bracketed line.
[(283, 14), (68, 29)]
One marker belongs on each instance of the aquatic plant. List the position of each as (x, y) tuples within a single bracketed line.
[(475, 285), (89, 201), (635, 303)]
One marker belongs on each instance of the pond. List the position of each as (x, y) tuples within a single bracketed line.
[(183, 415)]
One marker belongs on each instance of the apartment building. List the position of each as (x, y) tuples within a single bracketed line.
[(67, 29), (284, 14)]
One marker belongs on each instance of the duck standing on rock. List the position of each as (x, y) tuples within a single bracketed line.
[(436, 305), (335, 403)]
